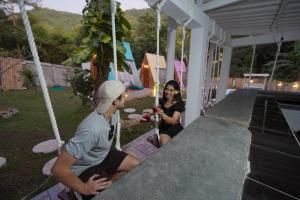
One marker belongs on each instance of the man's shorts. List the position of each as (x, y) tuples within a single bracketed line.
[(107, 168)]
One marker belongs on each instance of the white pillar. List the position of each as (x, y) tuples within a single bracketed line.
[(171, 45), (196, 74), (225, 69)]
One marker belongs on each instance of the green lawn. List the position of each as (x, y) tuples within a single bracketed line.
[(18, 134)]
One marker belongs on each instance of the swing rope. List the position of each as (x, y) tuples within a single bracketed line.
[(208, 69), (212, 75), (157, 81), (209, 64), (181, 58), (156, 85), (182, 50), (216, 52), (274, 65), (252, 62), (113, 23), (40, 72)]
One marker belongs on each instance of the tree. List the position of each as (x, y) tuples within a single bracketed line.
[(144, 37), (288, 64), (96, 40), (11, 37), (241, 61), (264, 59)]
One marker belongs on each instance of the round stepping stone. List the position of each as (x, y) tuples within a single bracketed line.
[(6, 115), (135, 116), (47, 167), (46, 147), (149, 111), (14, 111), (2, 161), (129, 110)]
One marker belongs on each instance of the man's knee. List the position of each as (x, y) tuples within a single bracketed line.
[(134, 161), (129, 163)]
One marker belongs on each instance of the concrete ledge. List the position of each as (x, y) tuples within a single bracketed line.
[(206, 161), (236, 107)]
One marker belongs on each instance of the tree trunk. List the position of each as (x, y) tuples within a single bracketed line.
[(102, 74)]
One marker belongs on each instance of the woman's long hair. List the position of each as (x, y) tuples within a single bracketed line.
[(177, 96)]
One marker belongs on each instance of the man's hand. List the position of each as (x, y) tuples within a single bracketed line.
[(91, 186)]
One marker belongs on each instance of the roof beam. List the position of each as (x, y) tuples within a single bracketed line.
[(247, 31), (253, 22), (241, 19), (267, 38), (251, 5), (183, 10), (244, 12), (282, 7), (246, 16), (217, 4)]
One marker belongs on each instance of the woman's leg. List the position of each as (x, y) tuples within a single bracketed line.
[(164, 138)]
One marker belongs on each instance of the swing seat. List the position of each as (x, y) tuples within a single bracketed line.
[(67, 195), (153, 139)]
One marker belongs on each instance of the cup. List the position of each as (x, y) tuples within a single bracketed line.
[(155, 109)]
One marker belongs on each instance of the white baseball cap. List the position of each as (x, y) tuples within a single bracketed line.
[(107, 93)]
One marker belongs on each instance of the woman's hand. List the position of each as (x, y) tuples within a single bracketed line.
[(161, 113), (92, 185)]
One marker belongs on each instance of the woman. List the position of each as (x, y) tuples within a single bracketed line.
[(170, 108)]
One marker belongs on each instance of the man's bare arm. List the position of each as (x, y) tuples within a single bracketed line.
[(61, 170)]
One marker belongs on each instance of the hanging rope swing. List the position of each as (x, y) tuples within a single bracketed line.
[(183, 36), (113, 23), (279, 44), (156, 85), (215, 61), (181, 57), (157, 6), (41, 77), (251, 66)]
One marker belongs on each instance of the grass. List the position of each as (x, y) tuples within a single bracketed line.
[(22, 174)]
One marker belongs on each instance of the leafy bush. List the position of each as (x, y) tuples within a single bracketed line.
[(82, 85), (30, 78)]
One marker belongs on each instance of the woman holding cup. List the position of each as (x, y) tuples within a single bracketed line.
[(170, 109)]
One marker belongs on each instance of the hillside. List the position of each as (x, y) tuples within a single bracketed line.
[(132, 15), (54, 21)]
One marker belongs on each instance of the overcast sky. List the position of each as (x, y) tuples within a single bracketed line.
[(76, 6)]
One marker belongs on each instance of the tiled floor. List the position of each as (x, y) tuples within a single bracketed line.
[(139, 147)]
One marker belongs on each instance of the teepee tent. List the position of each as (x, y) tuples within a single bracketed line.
[(148, 70)]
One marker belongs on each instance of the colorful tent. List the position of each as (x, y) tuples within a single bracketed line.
[(177, 64), (148, 70), (125, 77)]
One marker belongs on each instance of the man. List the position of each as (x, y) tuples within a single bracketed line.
[(87, 162)]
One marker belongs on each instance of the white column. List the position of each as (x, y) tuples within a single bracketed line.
[(171, 45), (196, 74), (225, 69)]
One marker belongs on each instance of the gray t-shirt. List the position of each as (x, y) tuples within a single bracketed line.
[(90, 144)]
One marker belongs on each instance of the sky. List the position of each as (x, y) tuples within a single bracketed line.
[(76, 6)]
